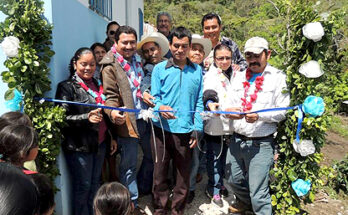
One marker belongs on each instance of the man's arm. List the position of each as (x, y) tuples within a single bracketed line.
[(282, 99), (156, 87), (112, 94), (198, 122)]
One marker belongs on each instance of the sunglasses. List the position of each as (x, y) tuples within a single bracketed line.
[(250, 55), (223, 58), (112, 32)]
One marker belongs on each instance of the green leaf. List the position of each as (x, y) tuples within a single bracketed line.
[(27, 60), (292, 175), (9, 94)]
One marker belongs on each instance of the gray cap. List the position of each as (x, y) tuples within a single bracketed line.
[(255, 45)]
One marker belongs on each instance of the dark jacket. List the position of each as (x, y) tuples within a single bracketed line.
[(80, 134)]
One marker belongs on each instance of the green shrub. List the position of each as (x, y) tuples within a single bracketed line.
[(340, 181), (29, 74)]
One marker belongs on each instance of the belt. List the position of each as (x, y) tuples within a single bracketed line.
[(251, 138)]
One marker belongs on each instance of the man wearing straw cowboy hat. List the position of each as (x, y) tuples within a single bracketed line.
[(152, 48), (200, 49)]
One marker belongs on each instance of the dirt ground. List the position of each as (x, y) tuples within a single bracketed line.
[(336, 148)]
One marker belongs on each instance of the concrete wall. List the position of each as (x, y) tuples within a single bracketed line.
[(3, 86)]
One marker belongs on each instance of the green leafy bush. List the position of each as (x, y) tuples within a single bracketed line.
[(29, 74), (340, 181)]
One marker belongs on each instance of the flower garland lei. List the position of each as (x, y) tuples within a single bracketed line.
[(247, 105), (135, 78), (98, 96)]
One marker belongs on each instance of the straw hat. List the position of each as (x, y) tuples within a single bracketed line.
[(156, 37), (206, 43)]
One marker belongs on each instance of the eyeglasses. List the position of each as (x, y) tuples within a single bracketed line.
[(112, 32), (164, 21), (250, 55), (223, 58)]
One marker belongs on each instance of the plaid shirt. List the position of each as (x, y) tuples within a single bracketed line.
[(237, 57)]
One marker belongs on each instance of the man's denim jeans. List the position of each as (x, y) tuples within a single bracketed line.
[(129, 152), (85, 169), (216, 161), (250, 162)]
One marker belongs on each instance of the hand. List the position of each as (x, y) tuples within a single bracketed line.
[(117, 117), (235, 67), (113, 147), (95, 116), (167, 115), (192, 142), (213, 106), (234, 116), (147, 97), (251, 117), (275, 157)]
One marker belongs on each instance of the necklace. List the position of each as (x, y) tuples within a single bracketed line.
[(247, 105), (98, 96)]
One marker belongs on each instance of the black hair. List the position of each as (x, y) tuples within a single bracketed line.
[(45, 192), (14, 118), (112, 199), (77, 56), (95, 45), (111, 23), (164, 14), (16, 141), (211, 16), (180, 32), (125, 29), (18, 194), (222, 46)]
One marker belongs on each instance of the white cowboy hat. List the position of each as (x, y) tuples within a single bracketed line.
[(206, 43), (156, 37)]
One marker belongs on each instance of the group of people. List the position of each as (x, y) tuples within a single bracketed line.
[(176, 76)]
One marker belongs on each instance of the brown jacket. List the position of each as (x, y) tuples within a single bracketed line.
[(118, 93)]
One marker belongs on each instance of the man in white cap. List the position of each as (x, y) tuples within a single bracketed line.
[(152, 48), (250, 156), (200, 49)]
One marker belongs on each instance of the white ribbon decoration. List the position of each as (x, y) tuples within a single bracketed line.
[(313, 31), (311, 69), (10, 46), (305, 147)]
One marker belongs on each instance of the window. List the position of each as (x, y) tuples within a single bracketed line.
[(102, 7)]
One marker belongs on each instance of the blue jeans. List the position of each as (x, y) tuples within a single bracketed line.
[(250, 162), (128, 147), (216, 161), (85, 169)]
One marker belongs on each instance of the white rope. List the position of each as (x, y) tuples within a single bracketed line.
[(222, 146), (147, 115)]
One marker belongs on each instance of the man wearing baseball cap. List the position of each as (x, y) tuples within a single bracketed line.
[(152, 48), (250, 155)]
